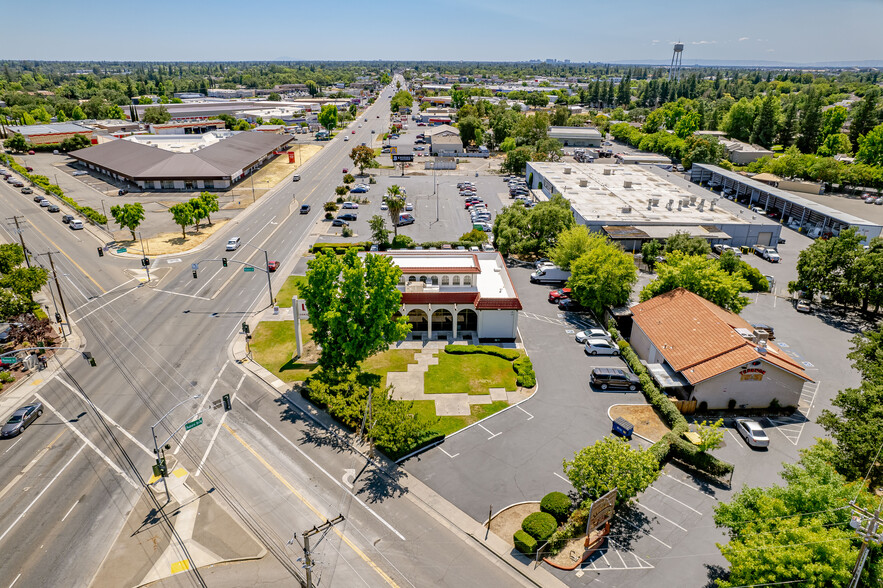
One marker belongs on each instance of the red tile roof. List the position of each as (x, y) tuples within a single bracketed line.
[(498, 303), (698, 338), (461, 298), (440, 270)]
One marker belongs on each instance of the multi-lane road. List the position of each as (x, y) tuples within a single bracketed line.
[(72, 478)]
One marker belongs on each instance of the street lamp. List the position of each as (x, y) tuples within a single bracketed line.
[(156, 448)]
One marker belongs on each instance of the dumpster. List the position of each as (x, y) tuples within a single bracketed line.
[(623, 428)]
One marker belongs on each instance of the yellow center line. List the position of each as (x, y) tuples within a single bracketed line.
[(97, 285), (279, 477)]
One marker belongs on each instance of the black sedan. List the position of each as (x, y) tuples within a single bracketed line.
[(21, 419), (571, 305)]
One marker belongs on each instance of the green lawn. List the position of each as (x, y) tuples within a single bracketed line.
[(290, 288), (473, 374), (393, 360), (273, 346), (448, 424)]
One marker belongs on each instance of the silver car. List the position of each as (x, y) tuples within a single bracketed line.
[(584, 336), (752, 432), (20, 419)]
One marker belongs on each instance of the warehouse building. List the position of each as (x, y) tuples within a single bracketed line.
[(50, 133), (183, 162), (632, 205), (576, 136)]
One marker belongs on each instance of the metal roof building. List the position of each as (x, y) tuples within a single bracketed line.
[(217, 166), (796, 212)]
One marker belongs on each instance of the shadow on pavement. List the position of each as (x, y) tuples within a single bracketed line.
[(715, 573), (845, 319), (312, 433)]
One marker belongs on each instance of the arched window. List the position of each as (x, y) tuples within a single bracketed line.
[(456, 280), (412, 279), (423, 279), (445, 280), (467, 280)]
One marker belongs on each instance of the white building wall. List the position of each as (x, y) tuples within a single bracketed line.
[(774, 383), (497, 324), (643, 347)]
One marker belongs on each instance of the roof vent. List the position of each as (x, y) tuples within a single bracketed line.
[(711, 205), (627, 184), (608, 171), (680, 203), (701, 204), (583, 183), (626, 209), (761, 347), (761, 336), (567, 170), (670, 202), (693, 201)]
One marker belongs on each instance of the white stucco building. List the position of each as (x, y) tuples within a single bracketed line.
[(720, 359), (457, 294)]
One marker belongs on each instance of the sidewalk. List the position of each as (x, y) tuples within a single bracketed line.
[(422, 495)]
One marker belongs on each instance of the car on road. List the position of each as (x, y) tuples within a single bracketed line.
[(348, 216), (66, 219), (559, 294), (272, 266), (122, 192), (354, 132), (584, 336), (39, 197), (418, 148), (879, 200), (79, 173), (606, 378), (53, 208), (601, 347), (373, 131), (346, 138), (26, 190), (752, 432), (339, 222), (45, 203), (409, 206), (803, 305), (344, 170), (304, 208), (233, 244), (870, 199), (295, 178), (21, 419), (77, 225)]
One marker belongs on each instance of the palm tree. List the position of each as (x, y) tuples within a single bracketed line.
[(395, 200)]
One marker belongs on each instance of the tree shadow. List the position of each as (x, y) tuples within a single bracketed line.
[(848, 320), (312, 433), (379, 484), (706, 485), (715, 573), (628, 526)]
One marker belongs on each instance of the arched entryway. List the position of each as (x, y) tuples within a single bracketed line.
[(442, 320), (419, 321), (467, 320)]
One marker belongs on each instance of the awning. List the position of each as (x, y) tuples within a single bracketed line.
[(665, 376)]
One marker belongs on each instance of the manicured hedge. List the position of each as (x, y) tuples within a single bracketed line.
[(508, 354), (524, 542), (524, 374), (688, 453), (539, 525), (361, 245), (556, 504)]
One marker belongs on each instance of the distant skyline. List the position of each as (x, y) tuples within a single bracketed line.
[(789, 31)]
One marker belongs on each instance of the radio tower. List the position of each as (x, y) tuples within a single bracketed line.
[(674, 69)]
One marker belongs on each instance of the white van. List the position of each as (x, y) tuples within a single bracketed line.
[(233, 244), (76, 224), (549, 274)]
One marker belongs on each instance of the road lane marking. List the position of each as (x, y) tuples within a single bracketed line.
[(211, 443), (77, 265), (323, 518), (70, 510), (13, 445), (104, 415), (676, 500), (14, 581), (660, 516), (202, 405), (27, 468), (102, 295), (86, 440), (181, 294), (94, 310), (324, 471), (43, 491)]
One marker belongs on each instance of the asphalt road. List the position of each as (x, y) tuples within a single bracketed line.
[(159, 343)]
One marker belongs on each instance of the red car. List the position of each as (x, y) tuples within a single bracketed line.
[(354, 132), (345, 170), (559, 295), (31, 152), (273, 266)]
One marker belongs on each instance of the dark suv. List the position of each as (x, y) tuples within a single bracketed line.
[(614, 378)]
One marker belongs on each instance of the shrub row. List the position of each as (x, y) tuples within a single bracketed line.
[(672, 444), (524, 374), (43, 182), (524, 542), (508, 354), (340, 247)]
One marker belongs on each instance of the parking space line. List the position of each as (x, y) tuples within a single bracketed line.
[(733, 435), (530, 416), (492, 435), (562, 477), (648, 534), (642, 563), (604, 557), (676, 500), (448, 454), (653, 512), (688, 486)]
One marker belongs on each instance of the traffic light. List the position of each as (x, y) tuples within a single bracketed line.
[(88, 357), (194, 274), (224, 261), (100, 252), (228, 405), (160, 469), (57, 317), (245, 328), (145, 261)]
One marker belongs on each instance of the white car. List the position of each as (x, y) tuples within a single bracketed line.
[(409, 206), (79, 173), (752, 432), (350, 205), (584, 336), (346, 138), (233, 244), (383, 206), (601, 347), (803, 306)]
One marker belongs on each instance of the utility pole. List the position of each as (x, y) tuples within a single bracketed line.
[(435, 190), (58, 286), (308, 558), (21, 238), (144, 257), (866, 525)]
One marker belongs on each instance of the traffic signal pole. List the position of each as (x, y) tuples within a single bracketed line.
[(60, 295)]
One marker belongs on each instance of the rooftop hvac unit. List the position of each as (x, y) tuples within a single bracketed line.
[(626, 183), (680, 203), (608, 171), (626, 209), (670, 202), (566, 170), (692, 200), (583, 183), (711, 205), (701, 204)]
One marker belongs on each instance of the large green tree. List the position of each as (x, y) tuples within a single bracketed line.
[(683, 242), (864, 116), (766, 125), (128, 216), (603, 276), (24, 281), (810, 122), (699, 275), (17, 142), (572, 244), (395, 203), (471, 130), (739, 121), (870, 147), (328, 117), (611, 463), (11, 256), (516, 159), (183, 215), (363, 157), (156, 115), (401, 100), (352, 306), (208, 202)]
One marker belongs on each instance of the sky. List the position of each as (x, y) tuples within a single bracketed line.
[(793, 31)]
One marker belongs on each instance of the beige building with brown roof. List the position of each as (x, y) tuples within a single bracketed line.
[(723, 361)]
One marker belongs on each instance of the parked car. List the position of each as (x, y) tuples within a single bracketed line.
[(384, 206), (233, 244), (122, 192), (45, 203), (272, 266), (79, 172), (339, 222), (349, 205), (559, 294), (66, 219), (345, 170), (406, 219), (348, 216), (584, 336), (26, 190), (606, 378), (752, 432), (409, 206), (870, 199), (549, 274), (360, 189), (571, 305), (53, 208), (346, 138), (601, 347), (803, 305), (76, 224), (21, 419)]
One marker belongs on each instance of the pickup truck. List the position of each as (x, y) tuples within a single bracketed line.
[(767, 253)]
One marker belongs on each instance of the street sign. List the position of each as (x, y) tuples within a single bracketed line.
[(8, 360), (193, 424), (248, 269), (121, 250), (194, 266)]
